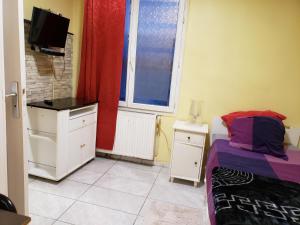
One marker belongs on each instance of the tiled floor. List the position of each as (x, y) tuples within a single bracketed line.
[(109, 192)]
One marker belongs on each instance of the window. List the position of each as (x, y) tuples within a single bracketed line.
[(152, 54)]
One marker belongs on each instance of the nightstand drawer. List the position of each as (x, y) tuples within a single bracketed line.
[(189, 138)]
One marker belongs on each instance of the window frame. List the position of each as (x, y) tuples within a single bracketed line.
[(177, 61)]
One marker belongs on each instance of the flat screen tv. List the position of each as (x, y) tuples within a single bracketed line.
[(48, 29)]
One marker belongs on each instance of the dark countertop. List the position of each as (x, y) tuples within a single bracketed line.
[(62, 104)]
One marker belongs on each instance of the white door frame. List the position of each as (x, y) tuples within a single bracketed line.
[(3, 152), (16, 135)]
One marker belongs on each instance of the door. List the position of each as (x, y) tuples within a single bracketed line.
[(89, 148), (3, 152), (75, 147), (12, 106), (186, 161)]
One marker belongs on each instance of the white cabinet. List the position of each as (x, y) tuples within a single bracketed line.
[(60, 141), (188, 150)]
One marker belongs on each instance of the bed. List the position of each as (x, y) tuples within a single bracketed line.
[(248, 188)]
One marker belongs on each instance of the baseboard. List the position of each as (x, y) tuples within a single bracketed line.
[(110, 155), (162, 164)]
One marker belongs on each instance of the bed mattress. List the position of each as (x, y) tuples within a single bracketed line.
[(225, 156)]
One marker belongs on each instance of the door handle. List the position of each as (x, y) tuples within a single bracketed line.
[(11, 95), (14, 95)]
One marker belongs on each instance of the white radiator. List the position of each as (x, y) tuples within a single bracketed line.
[(135, 135)]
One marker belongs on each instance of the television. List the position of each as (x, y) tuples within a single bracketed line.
[(48, 30)]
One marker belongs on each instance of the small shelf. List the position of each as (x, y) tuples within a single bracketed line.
[(43, 148), (42, 170), (43, 136)]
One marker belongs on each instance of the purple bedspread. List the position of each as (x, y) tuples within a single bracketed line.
[(223, 155)]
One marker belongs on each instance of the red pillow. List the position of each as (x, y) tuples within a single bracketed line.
[(229, 118)]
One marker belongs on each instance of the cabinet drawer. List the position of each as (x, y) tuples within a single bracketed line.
[(186, 162), (189, 138), (82, 121)]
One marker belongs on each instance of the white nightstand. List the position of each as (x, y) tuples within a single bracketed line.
[(188, 150)]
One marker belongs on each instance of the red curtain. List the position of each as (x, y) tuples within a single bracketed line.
[(101, 63)]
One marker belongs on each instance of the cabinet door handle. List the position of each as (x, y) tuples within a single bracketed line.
[(196, 164), (82, 146)]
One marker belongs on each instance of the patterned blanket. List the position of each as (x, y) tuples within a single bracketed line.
[(243, 198)]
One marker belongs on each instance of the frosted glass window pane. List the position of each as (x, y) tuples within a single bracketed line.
[(156, 36), (125, 52)]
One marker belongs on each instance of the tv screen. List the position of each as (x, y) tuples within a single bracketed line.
[(48, 29)]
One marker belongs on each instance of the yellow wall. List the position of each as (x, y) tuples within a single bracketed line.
[(72, 9), (240, 55)]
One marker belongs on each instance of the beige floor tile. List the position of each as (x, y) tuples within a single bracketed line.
[(133, 173), (171, 213), (47, 205), (65, 188), (125, 185), (39, 220), (114, 200), (85, 176), (85, 214)]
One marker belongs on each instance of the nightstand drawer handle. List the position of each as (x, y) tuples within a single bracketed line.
[(189, 138)]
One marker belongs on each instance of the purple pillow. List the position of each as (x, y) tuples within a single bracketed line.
[(259, 134)]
